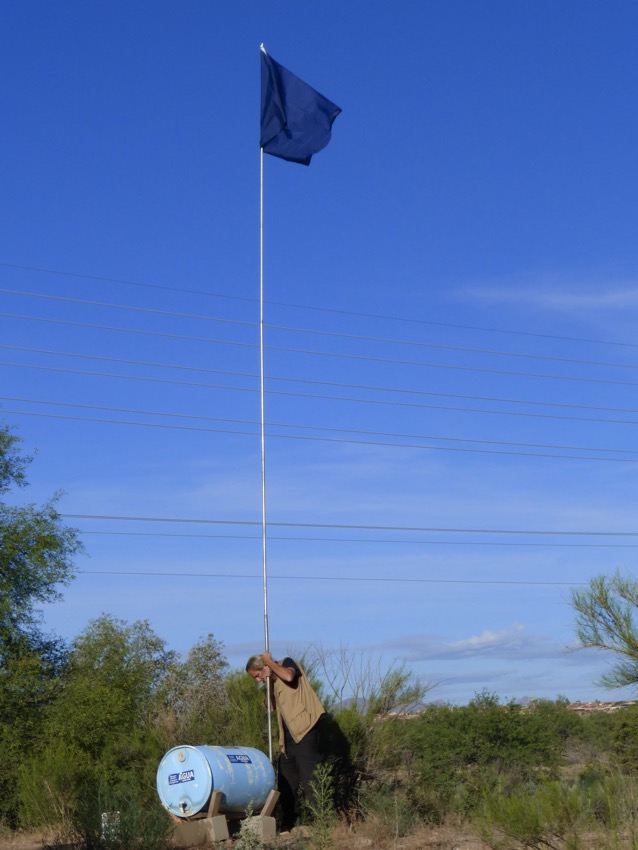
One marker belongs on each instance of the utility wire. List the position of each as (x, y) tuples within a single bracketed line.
[(373, 359), (362, 432), (314, 308), (330, 334), (304, 539), (330, 354), (354, 527), (319, 397), (314, 382), (173, 314), (366, 579), (337, 440)]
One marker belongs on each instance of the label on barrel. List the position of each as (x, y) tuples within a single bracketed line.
[(184, 776), (241, 758)]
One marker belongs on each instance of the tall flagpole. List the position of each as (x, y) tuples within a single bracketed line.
[(263, 433), (295, 124)]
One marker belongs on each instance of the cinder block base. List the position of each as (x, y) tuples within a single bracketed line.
[(264, 828), (197, 833)]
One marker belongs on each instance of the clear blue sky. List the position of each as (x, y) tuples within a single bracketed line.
[(452, 301)]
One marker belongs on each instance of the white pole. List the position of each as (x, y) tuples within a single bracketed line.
[(263, 434)]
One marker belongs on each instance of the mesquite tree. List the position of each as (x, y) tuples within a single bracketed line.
[(36, 559), (606, 619)]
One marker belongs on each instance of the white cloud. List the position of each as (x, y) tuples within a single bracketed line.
[(488, 641), (506, 644), (558, 293)]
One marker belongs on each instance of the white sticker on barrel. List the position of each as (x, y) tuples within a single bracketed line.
[(242, 758), (184, 776)]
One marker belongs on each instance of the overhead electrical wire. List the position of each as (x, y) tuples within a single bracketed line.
[(304, 539), (315, 308), (354, 526), (339, 355), (349, 399), (371, 579), (342, 441), (554, 535), (291, 425), (331, 334), (315, 382)]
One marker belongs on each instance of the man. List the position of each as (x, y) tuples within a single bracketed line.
[(298, 714)]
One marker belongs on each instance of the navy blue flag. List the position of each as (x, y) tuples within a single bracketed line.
[(295, 119)]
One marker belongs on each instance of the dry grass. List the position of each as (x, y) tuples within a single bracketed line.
[(365, 836), (368, 836), (373, 835), (23, 840)]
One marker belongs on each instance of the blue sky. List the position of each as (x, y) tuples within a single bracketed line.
[(450, 349)]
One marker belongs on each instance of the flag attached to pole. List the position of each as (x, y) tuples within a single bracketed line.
[(295, 119)]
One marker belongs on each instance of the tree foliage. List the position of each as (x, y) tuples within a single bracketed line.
[(36, 553), (192, 697), (606, 619), (36, 558)]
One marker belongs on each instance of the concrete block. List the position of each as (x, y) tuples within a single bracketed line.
[(199, 833), (264, 828)]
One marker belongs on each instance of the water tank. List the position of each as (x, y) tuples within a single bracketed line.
[(188, 775)]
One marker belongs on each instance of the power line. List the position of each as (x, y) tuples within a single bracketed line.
[(367, 579), (95, 327), (145, 378), (333, 398), (124, 282), (304, 539), (299, 426), (314, 308), (319, 397), (314, 382), (319, 332), (353, 527), (173, 314), (314, 427), (337, 440), (331, 354), (491, 399)]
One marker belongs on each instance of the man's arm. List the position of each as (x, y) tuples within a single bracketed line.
[(286, 674)]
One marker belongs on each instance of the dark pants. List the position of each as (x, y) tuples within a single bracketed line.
[(296, 770)]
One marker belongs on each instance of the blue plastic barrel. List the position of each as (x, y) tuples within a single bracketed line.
[(187, 777)]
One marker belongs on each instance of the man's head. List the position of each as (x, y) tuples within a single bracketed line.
[(256, 668)]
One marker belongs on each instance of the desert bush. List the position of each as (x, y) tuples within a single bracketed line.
[(624, 744), (66, 792), (444, 759), (549, 815), (389, 809), (118, 820), (320, 810), (614, 799), (598, 810), (363, 735), (48, 785)]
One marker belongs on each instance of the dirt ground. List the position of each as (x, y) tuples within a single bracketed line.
[(433, 838), (368, 838)]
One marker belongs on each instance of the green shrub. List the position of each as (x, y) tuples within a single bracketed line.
[(119, 820), (390, 807), (321, 808), (550, 815)]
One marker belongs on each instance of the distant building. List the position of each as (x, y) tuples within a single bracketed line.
[(596, 705)]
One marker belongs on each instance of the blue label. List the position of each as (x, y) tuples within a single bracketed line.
[(184, 776), (242, 758)]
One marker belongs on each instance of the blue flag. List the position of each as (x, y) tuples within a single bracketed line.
[(295, 119)]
